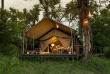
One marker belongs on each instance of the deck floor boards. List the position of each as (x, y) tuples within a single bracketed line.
[(56, 55), (50, 55)]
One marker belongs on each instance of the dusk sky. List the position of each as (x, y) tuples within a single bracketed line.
[(20, 4), (28, 4)]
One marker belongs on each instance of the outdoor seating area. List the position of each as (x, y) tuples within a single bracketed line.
[(53, 51)]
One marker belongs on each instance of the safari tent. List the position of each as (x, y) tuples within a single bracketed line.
[(53, 38)]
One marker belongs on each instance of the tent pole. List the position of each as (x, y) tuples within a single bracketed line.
[(23, 41), (33, 43), (72, 42), (71, 39), (72, 45), (26, 44)]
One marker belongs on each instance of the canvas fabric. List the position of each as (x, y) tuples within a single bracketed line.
[(62, 37), (44, 26)]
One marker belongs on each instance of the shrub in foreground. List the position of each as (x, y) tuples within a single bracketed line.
[(9, 49), (107, 52)]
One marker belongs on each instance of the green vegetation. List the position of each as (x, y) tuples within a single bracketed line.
[(12, 65), (100, 25), (13, 23)]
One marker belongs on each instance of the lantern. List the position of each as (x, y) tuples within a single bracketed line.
[(85, 22), (89, 15)]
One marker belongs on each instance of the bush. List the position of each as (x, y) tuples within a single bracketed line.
[(9, 49), (100, 64), (9, 65), (4, 63), (107, 52)]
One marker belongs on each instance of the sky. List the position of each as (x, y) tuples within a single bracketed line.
[(28, 4), (20, 4)]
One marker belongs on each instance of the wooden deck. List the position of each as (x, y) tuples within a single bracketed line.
[(51, 55), (56, 55)]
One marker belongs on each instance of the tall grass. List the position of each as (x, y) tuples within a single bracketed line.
[(14, 65)]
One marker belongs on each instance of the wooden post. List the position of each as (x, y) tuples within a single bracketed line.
[(26, 44), (72, 44), (2, 4), (23, 41), (48, 48), (33, 43), (2, 7), (72, 41), (76, 49)]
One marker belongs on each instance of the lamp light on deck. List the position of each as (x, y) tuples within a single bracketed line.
[(89, 14), (85, 22), (57, 26), (52, 45), (27, 52)]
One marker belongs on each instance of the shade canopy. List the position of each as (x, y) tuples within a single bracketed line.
[(46, 25)]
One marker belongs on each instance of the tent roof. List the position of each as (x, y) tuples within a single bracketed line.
[(45, 26)]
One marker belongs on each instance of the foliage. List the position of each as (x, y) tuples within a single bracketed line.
[(12, 65), (100, 64), (32, 16), (107, 52), (52, 9), (101, 26), (71, 11), (13, 24), (11, 29), (9, 49)]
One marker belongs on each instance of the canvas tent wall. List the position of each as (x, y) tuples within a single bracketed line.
[(46, 28), (62, 37)]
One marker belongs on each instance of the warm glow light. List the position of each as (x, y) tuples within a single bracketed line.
[(57, 26), (54, 39), (52, 45), (85, 22), (27, 52), (89, 15)]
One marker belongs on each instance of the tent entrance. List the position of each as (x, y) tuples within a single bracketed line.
[(56, 47)]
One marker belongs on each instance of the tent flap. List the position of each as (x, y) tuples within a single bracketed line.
[(62, 37)]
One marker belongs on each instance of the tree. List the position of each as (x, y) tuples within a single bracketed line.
[(83, 6), (34, 14), (31, 16), (2, 4), (52, 9), (12, 25), (101, 27), (71, 11)]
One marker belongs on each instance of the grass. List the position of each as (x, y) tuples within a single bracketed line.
[(13, 65)]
